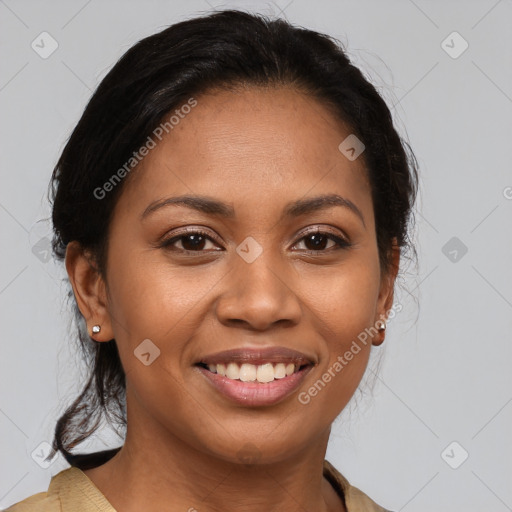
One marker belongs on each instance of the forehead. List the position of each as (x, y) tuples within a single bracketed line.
[(251, 145)]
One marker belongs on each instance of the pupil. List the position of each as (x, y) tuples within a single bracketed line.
[(318, 241), (193, 242)]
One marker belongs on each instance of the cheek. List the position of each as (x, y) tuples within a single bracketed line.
[(152, 300), (343, 307), (343, 300), (149, 298)]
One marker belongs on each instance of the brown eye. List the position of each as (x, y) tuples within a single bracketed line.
[(320, 241), (191, 241), (317, 242)]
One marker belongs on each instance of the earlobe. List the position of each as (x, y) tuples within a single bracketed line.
[(90, 292), (386, 294)]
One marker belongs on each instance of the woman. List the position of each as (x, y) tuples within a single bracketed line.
[(231, 208)]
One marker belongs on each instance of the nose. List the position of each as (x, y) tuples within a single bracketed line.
[(258, 296)]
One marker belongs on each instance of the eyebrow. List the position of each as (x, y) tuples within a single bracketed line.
[(294, 209)]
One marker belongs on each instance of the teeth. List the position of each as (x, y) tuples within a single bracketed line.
[(250, 373), (290, 368), (279, 371), (265, 373), (247, 373), (232, 371)]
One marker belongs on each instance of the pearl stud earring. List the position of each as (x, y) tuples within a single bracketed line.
[(382, 325), (96, 329)]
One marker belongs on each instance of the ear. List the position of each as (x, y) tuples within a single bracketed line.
[(90, 291), (386, 292)]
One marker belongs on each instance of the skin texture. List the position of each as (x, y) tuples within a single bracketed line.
[(256, 149)]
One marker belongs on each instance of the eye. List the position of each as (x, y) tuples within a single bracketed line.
[(190, 241), (316, 241), (323, 241)]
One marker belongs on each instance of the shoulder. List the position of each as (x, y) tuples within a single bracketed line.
[(69, 491), (40, 502), (355, 499)]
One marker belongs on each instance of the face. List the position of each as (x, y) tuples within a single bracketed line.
[(259, 264)]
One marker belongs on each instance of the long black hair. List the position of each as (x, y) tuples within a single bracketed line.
[(152, 79)]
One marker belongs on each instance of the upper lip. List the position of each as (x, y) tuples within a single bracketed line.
[(258, 356)]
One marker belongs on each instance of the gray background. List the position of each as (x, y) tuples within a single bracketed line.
[(445, 367)]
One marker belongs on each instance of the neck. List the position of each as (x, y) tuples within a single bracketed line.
[(158, 469), (131, 480)]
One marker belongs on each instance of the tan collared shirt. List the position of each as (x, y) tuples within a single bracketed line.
[(72, 491)]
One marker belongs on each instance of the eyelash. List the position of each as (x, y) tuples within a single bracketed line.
[(341, 243)]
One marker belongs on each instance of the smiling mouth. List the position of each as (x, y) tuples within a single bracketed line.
[(261, 373)]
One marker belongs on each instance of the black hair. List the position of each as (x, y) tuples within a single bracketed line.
[(153, 78)]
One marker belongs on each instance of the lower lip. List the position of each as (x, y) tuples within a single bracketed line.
[(255, 393)]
